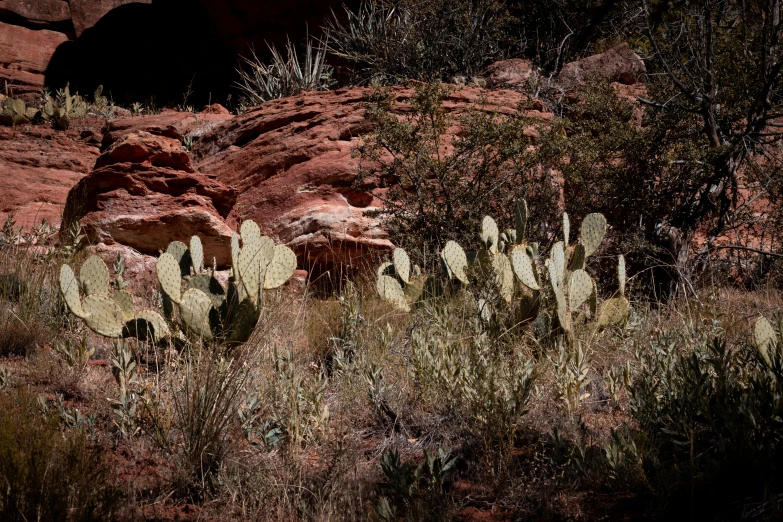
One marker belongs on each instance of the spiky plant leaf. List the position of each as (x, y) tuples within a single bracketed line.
[(281, 268), (489, 234), (197, 254), (592, 232), (169, 274), (765, 338), (580, 287), (390, 291), (94, 276), (402, 264), (104, 316), (69, 287), (523, 268), (196, 311), (456, 260)]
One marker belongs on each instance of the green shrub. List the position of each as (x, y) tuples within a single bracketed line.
[(48, 475), (438, 193), (390, 41), (713, 418)]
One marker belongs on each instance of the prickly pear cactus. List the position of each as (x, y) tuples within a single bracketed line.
[(169, 276), (592, 232), (456, 261), (402, 264), (280, 268), (489, 234), (614, 311), (94, 276), (765, 338), (391, 291)]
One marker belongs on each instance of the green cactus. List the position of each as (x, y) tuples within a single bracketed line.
[(614, 311), (765, 338), (489, 234), (196, 254), (592, 232), (456, 261), (402, 264), (13, 111), (112, 316), (391, 291)]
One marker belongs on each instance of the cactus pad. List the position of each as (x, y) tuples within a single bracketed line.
[(402, 264), (250, 232), (235, 255), (592, 232), (197, 254), (390, 290), (594, 301), (386, 269), (244, 321), (168, 271), (765, 338), (489, 234), (148, 324), (566, 228), (614, 312), (504, 276), (69, 287), (456, 260), (210, 286), (195, 310), (125, 301), (414, 290), (94, 276), (250, 268), (103, 315), (523, 268), (281, 268), (580, 287), (558, 262), (621, 273), (577, 258)]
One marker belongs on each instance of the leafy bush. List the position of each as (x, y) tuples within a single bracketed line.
[(711, 415), (48, 475), (440, 188), (285, 76)]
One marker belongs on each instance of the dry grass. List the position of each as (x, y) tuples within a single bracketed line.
[(293, 424)]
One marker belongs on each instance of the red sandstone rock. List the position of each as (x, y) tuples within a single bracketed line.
[(143, 206), (514, 72), (618, 64), (38, 11), (38, 167), (24, 56), (291, 163), (86, 13), (169, 123), (143, 147)]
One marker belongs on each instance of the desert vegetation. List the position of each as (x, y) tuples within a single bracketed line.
[(580, 320)]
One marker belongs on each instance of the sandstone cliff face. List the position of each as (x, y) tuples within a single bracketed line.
[(293, 164)]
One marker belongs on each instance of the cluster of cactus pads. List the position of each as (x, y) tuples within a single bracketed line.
[(192, 295), (549, 292), (112, 314), (14, 111)]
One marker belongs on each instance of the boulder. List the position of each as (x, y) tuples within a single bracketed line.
[(511, 73), (168, 123), (25, 55), (292, 162), (146, 202), (86, 13), (38, 166), (619, 64), (41, 13)]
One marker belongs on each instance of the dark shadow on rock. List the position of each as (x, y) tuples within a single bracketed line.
[(141, 52)]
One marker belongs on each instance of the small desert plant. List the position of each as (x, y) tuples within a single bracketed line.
[(390, 41), (48, 475), (285, 76)]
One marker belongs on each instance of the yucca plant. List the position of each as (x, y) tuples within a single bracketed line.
[(285, 75)]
